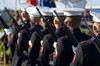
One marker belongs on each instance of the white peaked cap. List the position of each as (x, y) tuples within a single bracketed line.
[(24, 6), (45, 11), (73, 11), (96, 14), (33, 12), (58, 10)]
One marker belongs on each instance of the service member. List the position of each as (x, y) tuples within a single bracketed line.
[(35, 39), (47, 48), (22, 45), (24, 14), (64, 51), (87, 53)]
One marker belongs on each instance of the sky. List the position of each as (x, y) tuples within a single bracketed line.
[(11, 3)]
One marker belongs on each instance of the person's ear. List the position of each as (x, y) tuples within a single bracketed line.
[(94, 28), (55, 21), (22, 14), (68, 23)]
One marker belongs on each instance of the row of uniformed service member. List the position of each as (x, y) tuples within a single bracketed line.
[(46, 52)]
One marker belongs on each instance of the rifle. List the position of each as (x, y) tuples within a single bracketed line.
[(3, 22), (48, 26), (68, 32), (16, 25), (15, 22), (95, 38)]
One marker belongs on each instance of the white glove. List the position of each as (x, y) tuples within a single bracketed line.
[(54, 44), (30, 44), (41, 42), (74, 48), (19, 34), (8, 31)]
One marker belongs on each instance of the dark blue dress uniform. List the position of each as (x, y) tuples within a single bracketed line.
[(86, 55), (34, 50), (19, 56), (47, 47), (23, 39), (65, 56), (12, 43)]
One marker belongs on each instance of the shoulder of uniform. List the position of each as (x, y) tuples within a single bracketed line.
[(48, 36), (64, 37), (23, 31), (86, 43)]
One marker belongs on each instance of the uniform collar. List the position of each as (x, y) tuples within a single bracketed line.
[(76, 30), (60, 29)]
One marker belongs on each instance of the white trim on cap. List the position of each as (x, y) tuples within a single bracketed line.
[(73, 11), (34, 15), (46, 14)]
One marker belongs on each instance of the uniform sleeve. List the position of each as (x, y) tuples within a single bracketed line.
[(23, 42), (43, 53), (78, 57), (55, 56), (46, 50), (33, 52)]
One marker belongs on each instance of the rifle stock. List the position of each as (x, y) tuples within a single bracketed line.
[(68, 32)]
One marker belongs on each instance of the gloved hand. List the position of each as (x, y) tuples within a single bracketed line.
[(8, 31)]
